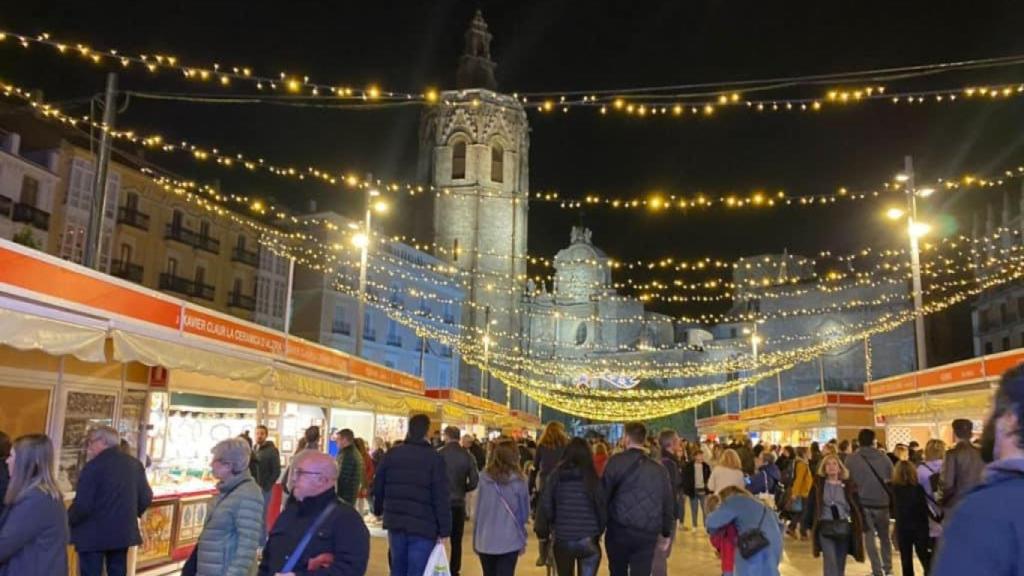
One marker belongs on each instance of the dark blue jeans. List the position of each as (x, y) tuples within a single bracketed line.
[(91, 563), (409, 554)]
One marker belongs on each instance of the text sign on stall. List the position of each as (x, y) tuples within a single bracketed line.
[(315, 356), (215, 327)]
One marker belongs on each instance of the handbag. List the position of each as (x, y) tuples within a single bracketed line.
[(836, 528), (754, 540), (886, 487)]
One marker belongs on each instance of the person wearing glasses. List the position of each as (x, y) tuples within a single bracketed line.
[(339, 545), (111, 495), (234, 526)]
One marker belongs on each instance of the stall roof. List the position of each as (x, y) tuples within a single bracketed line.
[(982, 369), (156, 329)]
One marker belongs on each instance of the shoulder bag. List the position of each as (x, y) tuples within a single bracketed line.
[(754, 540), (885, 486)]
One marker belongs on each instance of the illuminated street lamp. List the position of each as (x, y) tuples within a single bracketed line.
[(361, 240), (915, 230)]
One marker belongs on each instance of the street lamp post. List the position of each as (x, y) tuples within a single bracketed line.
[(915, 230), (362, 241)]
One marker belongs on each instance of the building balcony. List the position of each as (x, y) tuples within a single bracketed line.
[(5, 206), (191, 238), (180, 234), (370, 335), (242, 301), (31, 215), (208, 244), (132, 217), (394, 340), (205, 291), (173, 283), (341, 327), (126, 270), (250, 257)]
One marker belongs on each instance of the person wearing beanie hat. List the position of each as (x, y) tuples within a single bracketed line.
[(985, 534), (410, 490)]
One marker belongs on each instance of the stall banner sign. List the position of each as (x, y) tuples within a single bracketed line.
[(386, 376), (997, 364), (890, 386), (323, 358), (55, 278), (716, 420), (158, 377), (216, 327)]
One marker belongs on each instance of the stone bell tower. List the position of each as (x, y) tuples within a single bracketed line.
[(475, 145)]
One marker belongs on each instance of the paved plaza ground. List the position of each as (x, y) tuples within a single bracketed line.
[(692, 555)]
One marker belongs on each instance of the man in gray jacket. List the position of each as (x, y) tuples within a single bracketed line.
[(963, 466), (462, 478), (871, 470)]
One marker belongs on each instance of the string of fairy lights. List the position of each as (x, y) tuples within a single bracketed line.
[(543, 378)]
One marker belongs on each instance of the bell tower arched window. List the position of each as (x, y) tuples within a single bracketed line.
[(458, 160), (497, 163)]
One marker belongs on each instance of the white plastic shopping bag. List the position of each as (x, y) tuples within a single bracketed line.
[(437, 564)]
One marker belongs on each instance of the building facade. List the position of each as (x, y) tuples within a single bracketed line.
[(475, 150), (997, 315), (28, 185), (401, 281)]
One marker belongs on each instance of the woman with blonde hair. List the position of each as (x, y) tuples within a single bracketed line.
[(742, 510), (929, 474), (728, 472), (34, 525), (502, 511), (837, 521), (550, 450)]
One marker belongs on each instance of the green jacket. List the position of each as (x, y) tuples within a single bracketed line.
[(227, 546), (350, 474)]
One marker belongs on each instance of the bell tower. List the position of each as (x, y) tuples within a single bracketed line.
[(475, 144)]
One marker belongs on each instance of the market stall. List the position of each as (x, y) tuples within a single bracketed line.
[(815, 418), (922, 405), (722, 426)]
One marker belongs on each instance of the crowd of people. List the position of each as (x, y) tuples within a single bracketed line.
[(584, 499)]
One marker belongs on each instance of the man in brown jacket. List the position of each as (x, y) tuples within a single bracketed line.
[(962, 467)]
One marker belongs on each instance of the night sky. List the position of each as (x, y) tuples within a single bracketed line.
[(546, 45)]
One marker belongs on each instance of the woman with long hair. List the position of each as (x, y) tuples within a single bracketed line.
[(550, 449), (368, 470), (800, 489), (837, 525), (579, 518), (34, 525), (502, 511), (929, 474), (912, 516), (741, 509), (728, 472)]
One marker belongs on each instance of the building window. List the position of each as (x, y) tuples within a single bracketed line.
[(581, 334), (237, 288), (172, 266), (988, 348), (200, 275), (1004, 315), (455, 250), (1006, 343), (458, 160), (126, 255), (131, 202), (241, 242), (204, 229), (497, 163), (30, 191), (732, 332), (443, 377), (177, 219)]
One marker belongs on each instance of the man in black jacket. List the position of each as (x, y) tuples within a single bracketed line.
[(111, 495), (340, 545), (641, 513), (410, 489), (668, 442), (462, 478), (268, 466)]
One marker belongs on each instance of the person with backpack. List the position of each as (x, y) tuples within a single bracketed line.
[(871, 470), (929, 476), (573, 510), (985, 534), (912, 512), (641, 511)]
